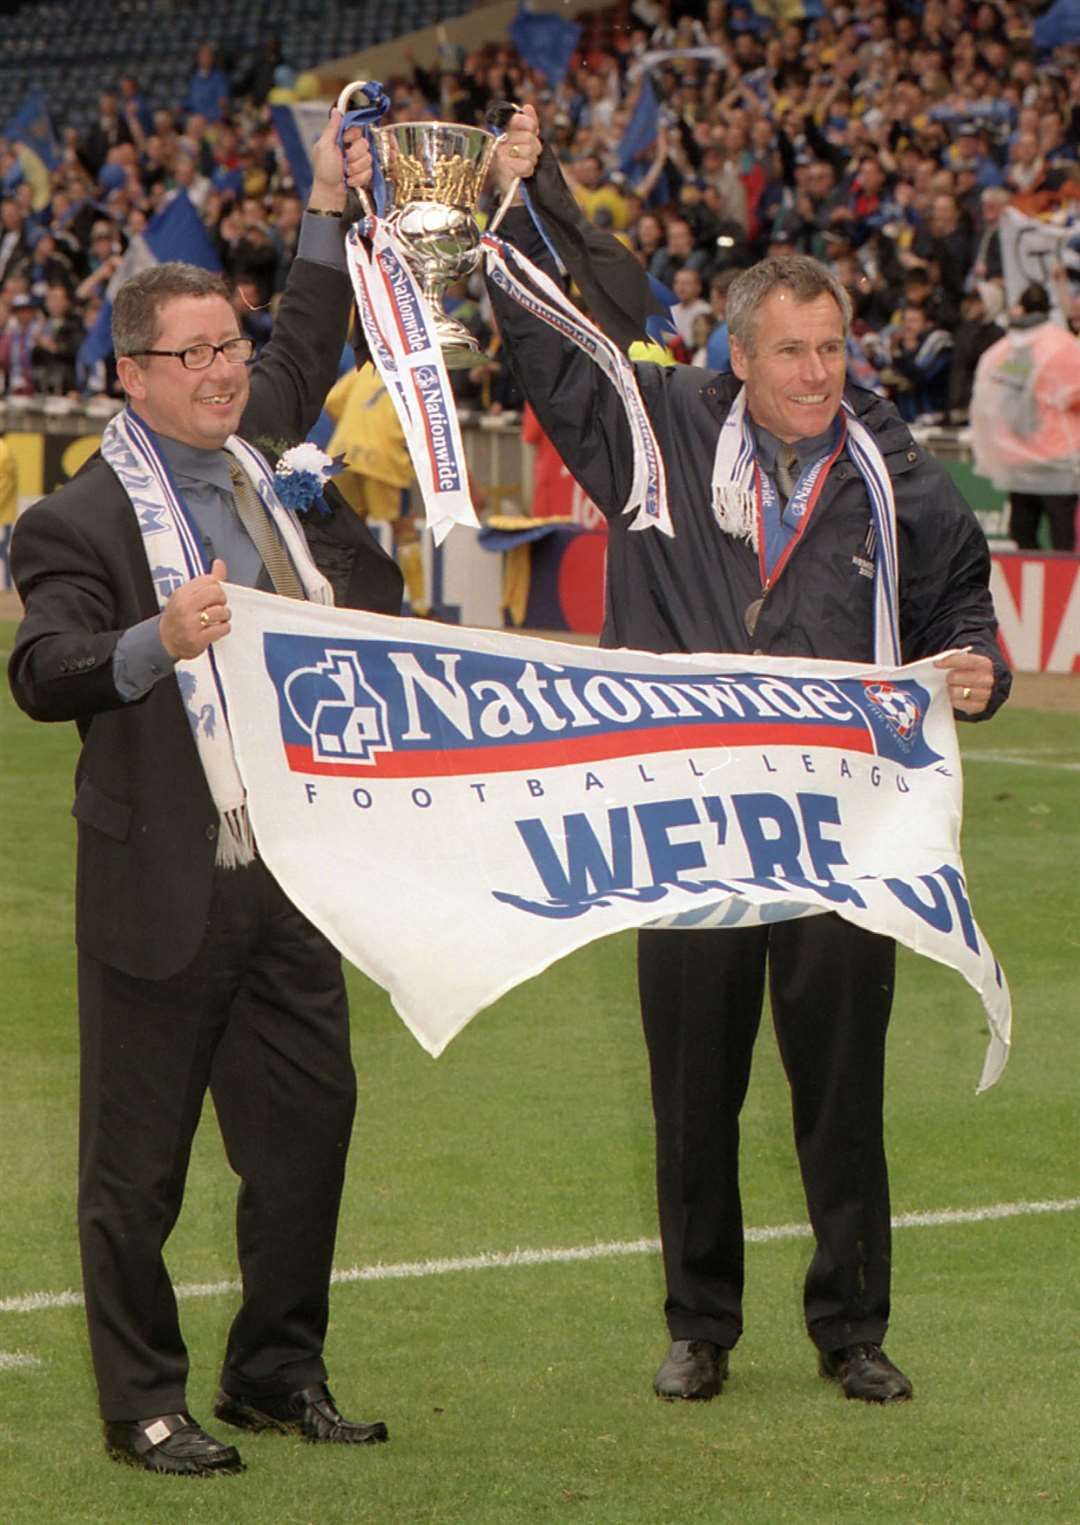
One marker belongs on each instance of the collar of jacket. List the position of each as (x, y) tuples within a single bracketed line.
[(894, 439)]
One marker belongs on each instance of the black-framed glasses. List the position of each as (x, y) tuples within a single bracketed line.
[(197, 357)]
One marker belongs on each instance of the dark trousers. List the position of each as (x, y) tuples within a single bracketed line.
[(831, 987), (1027, 508), (260, 1019)]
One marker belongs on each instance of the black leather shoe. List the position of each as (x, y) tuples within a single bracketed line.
[(865, 1371), (311, 1412), (171, 1443), (692, 1369)]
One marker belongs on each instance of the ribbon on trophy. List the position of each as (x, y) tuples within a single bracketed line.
[(418, 238), (511, 271), (404, 344)]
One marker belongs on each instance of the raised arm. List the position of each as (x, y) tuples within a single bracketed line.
[(578, 408), (300, 362)]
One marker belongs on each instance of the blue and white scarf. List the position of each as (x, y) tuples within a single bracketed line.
[(734, 504), (174, 554)]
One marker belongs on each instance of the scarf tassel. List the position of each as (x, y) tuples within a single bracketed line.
[(734, 508), (236, 841)]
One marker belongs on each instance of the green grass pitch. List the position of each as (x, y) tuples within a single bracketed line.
[(521, 1392)]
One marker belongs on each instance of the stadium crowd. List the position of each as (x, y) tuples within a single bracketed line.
[(883, 137)]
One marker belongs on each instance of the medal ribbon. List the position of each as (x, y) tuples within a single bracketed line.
[(800, 506), (736, 489)]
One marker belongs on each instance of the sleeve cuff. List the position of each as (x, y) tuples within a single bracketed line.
[(322, 240), (140, 660)]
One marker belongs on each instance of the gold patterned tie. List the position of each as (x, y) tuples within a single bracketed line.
[(264, 535), (787, 471)]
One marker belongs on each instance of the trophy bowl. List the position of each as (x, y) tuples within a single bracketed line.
[(434, 173)]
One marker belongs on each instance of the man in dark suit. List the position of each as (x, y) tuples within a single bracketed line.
[(192, 975)]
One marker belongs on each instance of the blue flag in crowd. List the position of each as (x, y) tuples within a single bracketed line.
[(660, 327), (298, 125), (641, 129), (545, 41), (1058, 26), (176, 232), (31, 126)]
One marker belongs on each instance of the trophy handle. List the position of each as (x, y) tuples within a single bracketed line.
[(504, 205), (497, 117), (343, 106)]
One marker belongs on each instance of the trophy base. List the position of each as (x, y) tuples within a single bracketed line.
[(441, 246), (459, 349)]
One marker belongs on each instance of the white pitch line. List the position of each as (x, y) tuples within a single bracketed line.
[(35, 1302), (15, 1360), (1018, 760)]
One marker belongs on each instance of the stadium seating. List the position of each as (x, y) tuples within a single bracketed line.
[(48, 46)]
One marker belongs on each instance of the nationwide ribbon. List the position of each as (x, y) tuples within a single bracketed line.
[(397, 324), (404, 345), (648, 490), (800, 507)]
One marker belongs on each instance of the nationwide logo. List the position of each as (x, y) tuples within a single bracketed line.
[(397, 709), (333, 704), (376, 338), (444, 462), (575, 331), (407, 310)]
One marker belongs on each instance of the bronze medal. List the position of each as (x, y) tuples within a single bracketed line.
[(750, 618)]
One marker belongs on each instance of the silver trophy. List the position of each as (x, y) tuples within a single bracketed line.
[(434, 173)]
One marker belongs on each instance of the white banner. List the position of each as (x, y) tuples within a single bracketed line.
[(717, 58), (1031, 249), (457, 809)]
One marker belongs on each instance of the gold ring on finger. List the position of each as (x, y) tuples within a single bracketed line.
[(204, 619), (515, 151), (966, 694)]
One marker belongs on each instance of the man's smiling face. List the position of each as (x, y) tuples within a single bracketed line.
[(795, 376), (200, 408)]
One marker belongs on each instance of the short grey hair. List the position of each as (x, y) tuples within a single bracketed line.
[(804, 277), (138, 303)]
